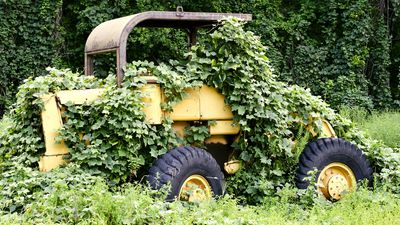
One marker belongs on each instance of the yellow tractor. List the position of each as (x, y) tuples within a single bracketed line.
[(195, 173)]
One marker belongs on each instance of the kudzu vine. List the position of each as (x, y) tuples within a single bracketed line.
[(109, 137), (348, 52)]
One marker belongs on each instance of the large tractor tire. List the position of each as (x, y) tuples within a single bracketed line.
[(192, 173), (340, 166)]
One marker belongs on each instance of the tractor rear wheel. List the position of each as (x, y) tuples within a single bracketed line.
[(340, 166), (193, 174)]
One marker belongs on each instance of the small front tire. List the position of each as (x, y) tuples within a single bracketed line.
[(340, 166)]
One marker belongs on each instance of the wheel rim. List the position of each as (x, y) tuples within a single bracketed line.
[(335, 180), (195, 188)]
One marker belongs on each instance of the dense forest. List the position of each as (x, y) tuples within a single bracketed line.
[(348, 52)]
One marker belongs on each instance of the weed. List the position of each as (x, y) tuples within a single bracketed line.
[(135, 204), (384, 126)]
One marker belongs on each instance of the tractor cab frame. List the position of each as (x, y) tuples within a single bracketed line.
[(112, 35)]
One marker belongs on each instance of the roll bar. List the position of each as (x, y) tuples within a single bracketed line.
[(112, 35)]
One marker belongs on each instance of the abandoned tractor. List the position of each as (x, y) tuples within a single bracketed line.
[(192, 172)]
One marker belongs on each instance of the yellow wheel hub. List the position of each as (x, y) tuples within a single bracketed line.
[(195, 188), (335, 180)]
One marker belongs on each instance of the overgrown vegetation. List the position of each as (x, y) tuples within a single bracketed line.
[(29, 34), (345, 51), (22, 186), (23, 135), (384, 126), (379, 125), (108, 137), (134, 204)]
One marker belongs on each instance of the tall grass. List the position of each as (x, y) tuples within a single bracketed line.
[(137, 205), (384, 126), (355, 114)]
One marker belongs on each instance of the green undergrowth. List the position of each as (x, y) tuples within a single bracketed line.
[(383, 126), (21, 186), (135, 204), (379, 125), (109, 137)]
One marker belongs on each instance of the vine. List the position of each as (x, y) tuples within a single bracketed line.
[(28, 45), (346, 52), (109, 137)]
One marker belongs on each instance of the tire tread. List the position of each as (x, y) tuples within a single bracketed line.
[(317, 151)]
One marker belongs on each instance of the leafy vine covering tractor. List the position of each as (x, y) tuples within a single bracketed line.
[(192, 172)]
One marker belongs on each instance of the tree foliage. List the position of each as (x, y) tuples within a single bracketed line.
[(29, 39), (345, 51)]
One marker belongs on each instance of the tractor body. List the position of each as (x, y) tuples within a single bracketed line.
[(198, 167)]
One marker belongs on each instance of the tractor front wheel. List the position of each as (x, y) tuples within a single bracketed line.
[(340, 165)]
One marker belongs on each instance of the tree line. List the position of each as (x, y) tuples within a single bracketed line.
[(348, 52)]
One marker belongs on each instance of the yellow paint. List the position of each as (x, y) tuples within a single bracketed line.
[(216, 139), (327, 129), (232, 166), (152, 100), (310, 128), (78, 97), (195, 188), (212, 105), (224, 127), (335, 180), (49, 162), (203, 103), (51, 123), (179, 128), (188, 109)]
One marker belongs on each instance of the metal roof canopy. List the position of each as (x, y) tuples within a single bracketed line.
[(112, 35)]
